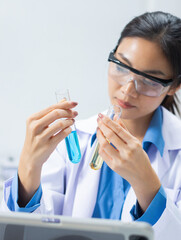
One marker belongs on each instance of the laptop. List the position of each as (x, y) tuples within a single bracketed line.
[(24, 226)]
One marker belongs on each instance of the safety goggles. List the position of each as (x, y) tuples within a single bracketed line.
[(145, 84)]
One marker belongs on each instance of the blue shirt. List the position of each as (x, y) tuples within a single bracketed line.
[(112, 187)]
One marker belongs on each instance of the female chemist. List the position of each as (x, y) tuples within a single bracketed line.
[(140, 179)]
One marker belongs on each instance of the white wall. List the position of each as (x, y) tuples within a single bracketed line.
[(51, 44), (171, 6)]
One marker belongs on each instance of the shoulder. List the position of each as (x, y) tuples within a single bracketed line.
[(171, 130)]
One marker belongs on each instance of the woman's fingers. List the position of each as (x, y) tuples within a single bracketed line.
[(60, 136), (111, 137), (56, 114), (120, 122), (61, 105), (106, 150), (36, 126), (111, 128), (55, 128)]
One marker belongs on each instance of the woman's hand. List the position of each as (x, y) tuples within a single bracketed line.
[(44, 131), (129, 159)]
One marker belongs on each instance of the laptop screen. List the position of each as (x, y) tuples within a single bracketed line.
[(20, 232), (23, 226)]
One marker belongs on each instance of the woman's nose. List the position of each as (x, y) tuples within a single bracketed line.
[(129, 89)]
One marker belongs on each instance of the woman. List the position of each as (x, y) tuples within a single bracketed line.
[(140, 179)]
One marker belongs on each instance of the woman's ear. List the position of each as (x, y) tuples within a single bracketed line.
[(172, 91)]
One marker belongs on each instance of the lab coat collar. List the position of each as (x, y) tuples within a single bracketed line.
[(171, 124)]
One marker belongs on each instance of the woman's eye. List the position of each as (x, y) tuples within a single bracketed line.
[(121, 69), (150, 83)]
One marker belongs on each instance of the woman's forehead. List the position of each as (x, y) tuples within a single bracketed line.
[(143, 54)]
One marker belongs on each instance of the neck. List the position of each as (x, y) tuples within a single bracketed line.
[(138, 127)]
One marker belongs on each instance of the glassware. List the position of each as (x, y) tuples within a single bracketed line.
[(72, 142), (114, 112)]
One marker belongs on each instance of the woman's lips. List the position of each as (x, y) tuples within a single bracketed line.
[(124, 104)]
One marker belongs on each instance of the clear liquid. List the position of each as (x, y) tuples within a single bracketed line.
[(96, 161), (73, 147)]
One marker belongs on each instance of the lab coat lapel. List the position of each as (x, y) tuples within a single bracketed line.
[(128, 204), (161, 167), (170, 130), (87, 188), (159, 163)]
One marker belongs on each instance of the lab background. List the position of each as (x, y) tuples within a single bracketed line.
[(49, 45)]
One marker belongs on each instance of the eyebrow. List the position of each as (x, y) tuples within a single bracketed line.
[(156, 72)]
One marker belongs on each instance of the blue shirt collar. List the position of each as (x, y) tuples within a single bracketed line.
[(153, 134)]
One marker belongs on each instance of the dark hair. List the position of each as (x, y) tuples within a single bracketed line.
[(164, 29)]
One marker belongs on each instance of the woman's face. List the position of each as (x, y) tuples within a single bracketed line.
[(145, 56)]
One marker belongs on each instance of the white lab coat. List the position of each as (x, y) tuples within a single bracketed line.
[(71, 189)]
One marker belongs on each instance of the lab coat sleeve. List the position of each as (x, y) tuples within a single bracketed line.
[(52, 181), (154, 210), (12, 202), (169, 224)]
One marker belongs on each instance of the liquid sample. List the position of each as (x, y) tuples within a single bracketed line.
[(96, 161), (73, 147)]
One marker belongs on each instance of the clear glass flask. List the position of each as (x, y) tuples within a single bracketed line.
[(114, 112), (72, 142)]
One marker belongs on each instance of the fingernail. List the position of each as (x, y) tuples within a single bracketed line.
[(75, 113), (75, 103), (100, 115)]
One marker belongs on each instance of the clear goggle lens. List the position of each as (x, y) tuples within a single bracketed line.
[(143, 85)]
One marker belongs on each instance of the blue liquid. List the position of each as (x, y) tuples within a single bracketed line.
[(73, 147)]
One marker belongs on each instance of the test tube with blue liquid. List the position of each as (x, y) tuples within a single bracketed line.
[(72, 142)]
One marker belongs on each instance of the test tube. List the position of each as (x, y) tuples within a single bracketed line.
[(114, 112), (72, 142), (96, 161)]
